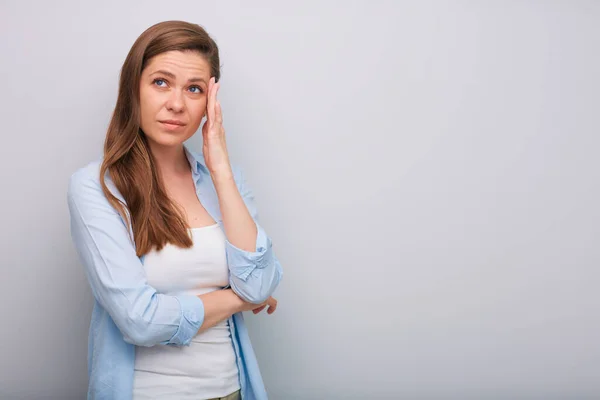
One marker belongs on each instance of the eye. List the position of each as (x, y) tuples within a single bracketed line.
[(199, 89), (157, 81)]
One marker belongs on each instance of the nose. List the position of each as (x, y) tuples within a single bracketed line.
[(176, 101)]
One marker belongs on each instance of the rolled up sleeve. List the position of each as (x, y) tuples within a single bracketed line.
[(116, 274), (192, 316), (254, 276)]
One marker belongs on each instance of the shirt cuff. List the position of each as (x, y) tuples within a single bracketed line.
[(192, 317), (242, 262)]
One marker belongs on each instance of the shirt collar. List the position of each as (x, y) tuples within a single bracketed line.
[(196, 160)]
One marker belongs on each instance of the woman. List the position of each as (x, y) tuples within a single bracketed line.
[(169, 238)]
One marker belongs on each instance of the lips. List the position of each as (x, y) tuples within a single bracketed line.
[(172, 122)]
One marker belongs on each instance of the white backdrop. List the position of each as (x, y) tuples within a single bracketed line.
[(428, 171)]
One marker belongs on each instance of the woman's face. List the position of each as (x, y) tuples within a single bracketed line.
[(173, 92)]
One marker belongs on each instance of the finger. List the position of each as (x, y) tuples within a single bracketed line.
[(210, 105), (273, 307), (218, 113), (215, 89), (208, 93), (205, 127), (215, 103), (259, 309)]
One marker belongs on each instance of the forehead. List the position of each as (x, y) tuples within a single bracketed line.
[(180, 63)]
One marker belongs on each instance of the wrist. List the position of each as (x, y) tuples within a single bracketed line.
[(237, 303), (222, 176)]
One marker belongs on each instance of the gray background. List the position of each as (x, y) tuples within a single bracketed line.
[(428, 171)]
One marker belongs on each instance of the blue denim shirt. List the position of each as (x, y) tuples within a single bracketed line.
[(128, 312)]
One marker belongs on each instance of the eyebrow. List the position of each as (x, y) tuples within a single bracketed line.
[(172, 76)]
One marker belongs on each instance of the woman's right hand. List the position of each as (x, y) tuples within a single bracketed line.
[(222, 304), (271, 302)]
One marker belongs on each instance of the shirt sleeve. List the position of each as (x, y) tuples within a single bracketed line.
[(254, 275), (116, 275)]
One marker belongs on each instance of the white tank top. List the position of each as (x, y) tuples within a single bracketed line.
[(208, 367)]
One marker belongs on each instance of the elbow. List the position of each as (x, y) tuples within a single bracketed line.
[(135, 333), (135, 329), (257, 289), (136, 340), (188, 316), (257, 297), (127, 320), (254, 276), (250, 296)]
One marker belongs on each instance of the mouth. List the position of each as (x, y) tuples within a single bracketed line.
[(172, 122), (172, 125)]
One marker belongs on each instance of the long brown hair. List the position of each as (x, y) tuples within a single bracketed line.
[(154, 219)]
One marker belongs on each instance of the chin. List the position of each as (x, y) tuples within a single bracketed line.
[(168, 140)]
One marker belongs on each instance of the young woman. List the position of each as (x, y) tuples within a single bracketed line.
[(169, 238)]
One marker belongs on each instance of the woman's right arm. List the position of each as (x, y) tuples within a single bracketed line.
[(222, 304), (118, 280)]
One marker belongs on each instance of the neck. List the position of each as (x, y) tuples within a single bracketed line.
[(171, 160)]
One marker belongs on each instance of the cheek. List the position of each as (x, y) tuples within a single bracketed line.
[(148, 111), (198, 109), (149, 103)]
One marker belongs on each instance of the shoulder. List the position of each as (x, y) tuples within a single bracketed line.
[(88, 175), (85, 182)]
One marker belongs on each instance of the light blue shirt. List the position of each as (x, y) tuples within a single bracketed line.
[(128, 312)]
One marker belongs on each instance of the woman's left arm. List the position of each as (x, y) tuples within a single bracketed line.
[(255, 272)]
